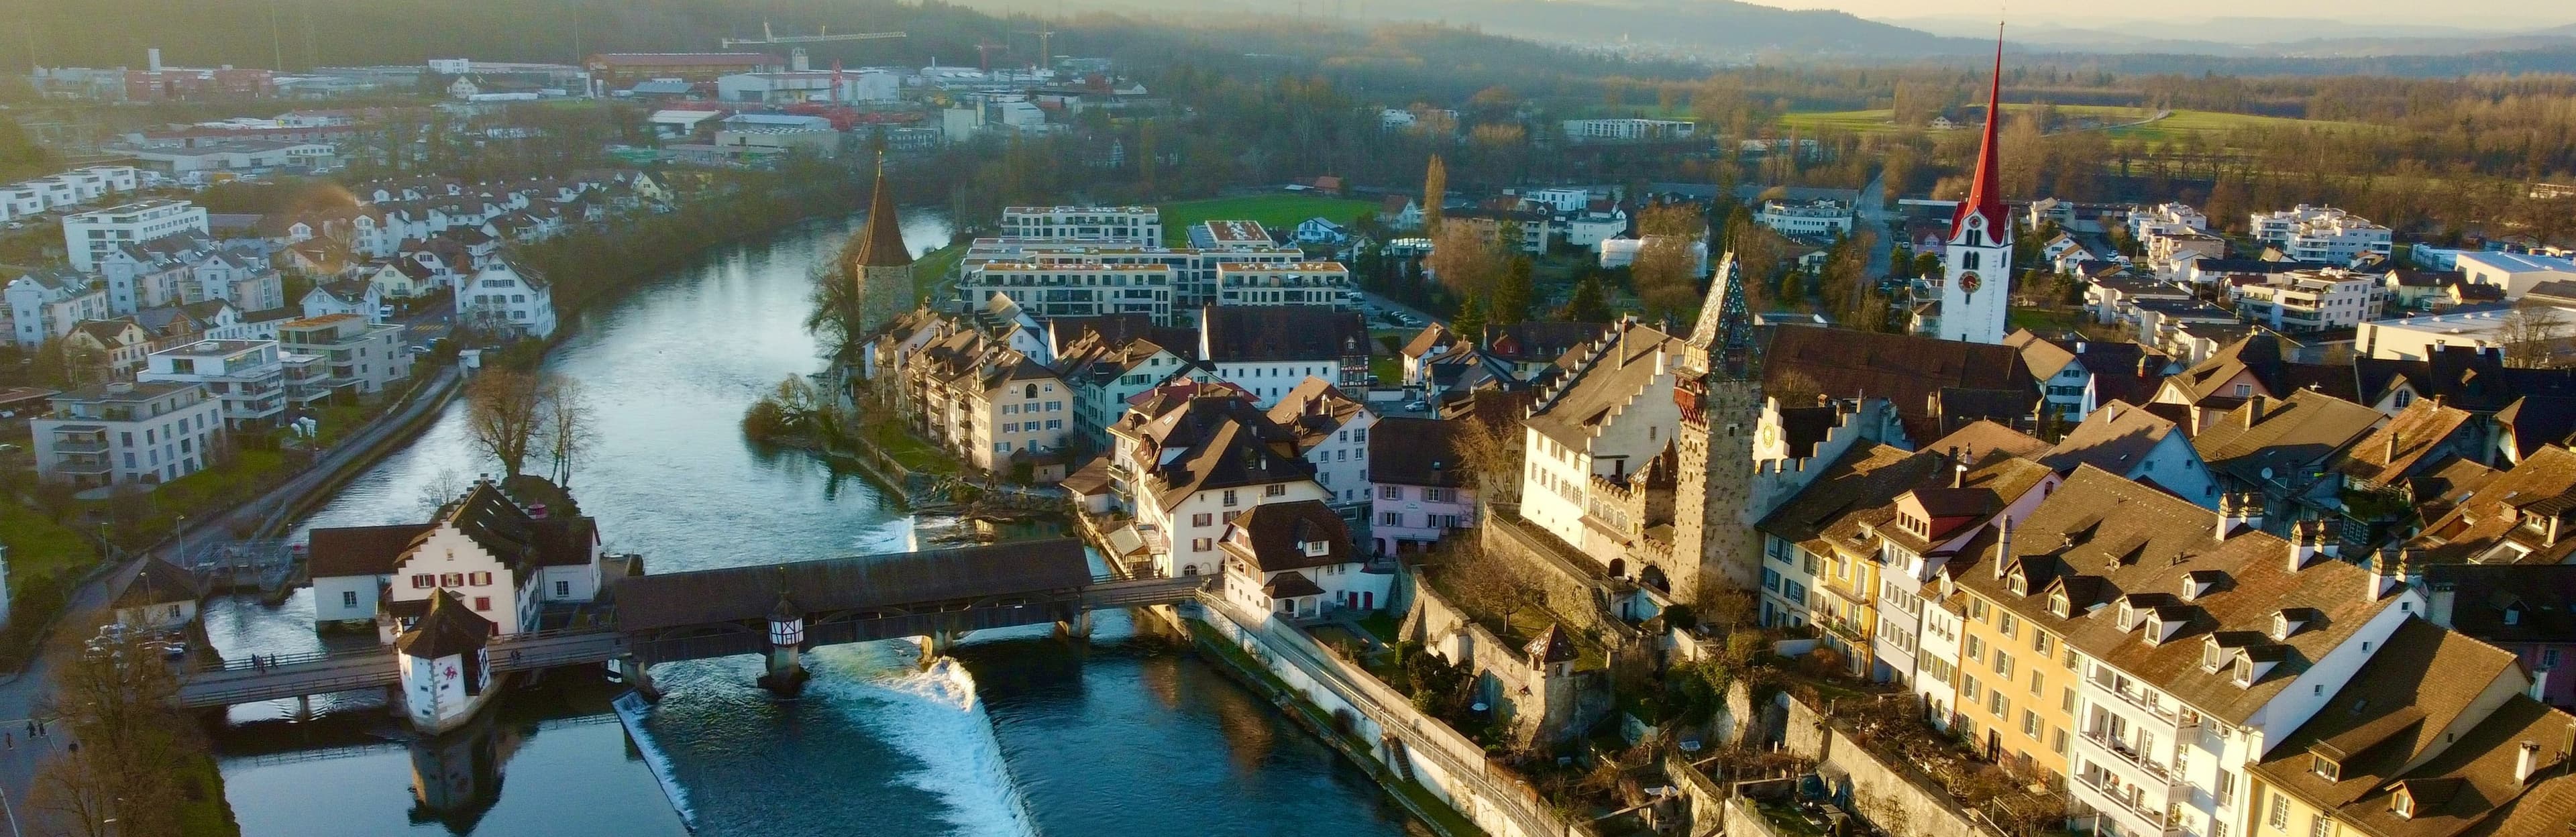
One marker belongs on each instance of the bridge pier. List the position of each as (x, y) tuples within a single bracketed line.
[(937, 644), (787, 674), (638, 675), (1076, 628)]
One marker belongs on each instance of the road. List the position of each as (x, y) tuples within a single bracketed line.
[(1874, 217), (20, 695)]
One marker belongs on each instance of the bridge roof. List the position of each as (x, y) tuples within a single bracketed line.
[(668, 600)]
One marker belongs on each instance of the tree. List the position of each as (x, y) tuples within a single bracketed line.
[(840, 315), (565, 431), (1435, 188), (2534, 336), (1470, 322), (1512, 296), (504, 409), (1491, 451), (1667, 269), (1467, 261), (1589, 304), (115, 700)]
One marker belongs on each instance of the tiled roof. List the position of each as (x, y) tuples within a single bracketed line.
[(1984, 438), (2417, 439), (1252, 334), (1217, 442), (2280, 436), (1417, 451), (1273, 536), (448, 629), (2470, 787), (1908, 370), (1607, 376), (2103, 539), (2538, 420), (2259, 353), (2114, 438), (1314, 410), (2491, 526), (2393, 711)]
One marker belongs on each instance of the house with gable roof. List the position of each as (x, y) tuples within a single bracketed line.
[(503, 557), (1296, 561)]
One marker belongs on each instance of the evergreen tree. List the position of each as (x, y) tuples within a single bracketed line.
[(1513, 294), (1435, 184), (1470, 322), (1589, 303)]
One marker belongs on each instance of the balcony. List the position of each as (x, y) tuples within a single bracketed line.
[(2105, 793), (2122, 751), (80, 446), (82, 465), (2137, 699)]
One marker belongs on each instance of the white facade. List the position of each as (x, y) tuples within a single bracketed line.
[(1194, 269), (2321, 234), (1300, 283), (2310, 300), (1822, 217), (1072, 290), (2416, 338), (1103, 224), (1628, 130), (436, 693), (2165, 218), (44, 306), (366, 358), (87, 236), (1976, 282), (246, 375), (2516, 273), (502, 298), (128, 433)]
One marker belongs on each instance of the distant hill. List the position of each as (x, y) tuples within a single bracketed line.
[(2259, 37)]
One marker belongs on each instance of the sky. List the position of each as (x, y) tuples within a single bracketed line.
[(2483, 14)]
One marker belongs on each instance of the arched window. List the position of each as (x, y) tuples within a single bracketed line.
[(1030, 392)]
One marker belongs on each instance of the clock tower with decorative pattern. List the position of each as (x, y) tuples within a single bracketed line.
[(1976, 286)]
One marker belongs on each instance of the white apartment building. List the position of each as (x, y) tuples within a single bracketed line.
[(46, 304), (1189, 472), (237, 156), (123, 433), (2321, 234), (504, 296), (1822, 217), (1332, 432), (88, 236), (1268, 350), (247, 376), (357, 355), (1193, 268), (2165, 218), (1299, 283), (1628, 130), (1072, 290), (1103, 224), (1558, 200), (2310, 300)]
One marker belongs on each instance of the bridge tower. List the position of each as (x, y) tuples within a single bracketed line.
[(787, 672)]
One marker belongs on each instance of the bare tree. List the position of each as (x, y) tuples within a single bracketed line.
[(2534, 336), (504, 409), (114, 697), (1467, 260), (1492, 453), (566, 431)]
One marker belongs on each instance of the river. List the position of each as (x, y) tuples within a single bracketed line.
[(1125, 735)]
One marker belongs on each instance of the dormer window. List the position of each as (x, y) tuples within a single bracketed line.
[(2058, 605), (1318, 547), (2212, 656), (2016, 583), (2402, 803), (2287, 622), (2513, 613), (2155, 629), (2325, 768), (2128, 615), (2244, 671)]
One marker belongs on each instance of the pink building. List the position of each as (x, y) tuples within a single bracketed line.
[(1419, 492)]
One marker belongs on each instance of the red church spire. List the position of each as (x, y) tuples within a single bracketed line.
[(1986, 194)]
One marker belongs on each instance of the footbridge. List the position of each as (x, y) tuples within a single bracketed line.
[(777, 610)]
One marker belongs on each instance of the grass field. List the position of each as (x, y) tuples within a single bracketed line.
[(1285, 210), (38, 546), (2185, 122), (1877, 120)]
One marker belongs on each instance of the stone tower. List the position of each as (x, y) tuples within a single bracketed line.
[(1976, 274), (1719, 388), (882, 264)]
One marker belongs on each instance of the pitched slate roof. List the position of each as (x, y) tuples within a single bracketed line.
[(448, 629), (2259, 354), (1272, 536), (2103, 538), (2470, 789), (158, 581), (1605, 376), (2490, 527), (1314, 410), (1417, 451), (2463, 377), (1981, 439), (2281, 435), (1217, 442), (1908, 370), (1259, 333), (2114, 438), (2538, 420), (2393, 711), (2415, 440), (881, 242), (485, 514)]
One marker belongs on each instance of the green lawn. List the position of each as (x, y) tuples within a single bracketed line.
[(39, 546), (1878, 120), (1388, 369), (2045, 322), (236, 481), (930, 272), (204, 812), (1283, 210), (914, 454), (2186, 122)]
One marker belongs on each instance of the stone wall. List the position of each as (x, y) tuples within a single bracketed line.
[(1574, 586), (1895, 795), (1539, 703)]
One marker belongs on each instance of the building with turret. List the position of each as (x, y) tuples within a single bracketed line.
[(881, 264)]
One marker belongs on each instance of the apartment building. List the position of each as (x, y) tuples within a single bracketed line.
[(247, 376), (1269, 350), (360, 356), (1421, 485), (1299, 283), (507, 297), (1331, 429), (1103, 224), (47, 304), (1628, 130), (2321, 234), (121, 433), (1188, 472), (89, 236), (1073, 290), (2310, 300), (1819, 218), (2165, 218), (1194, 269)]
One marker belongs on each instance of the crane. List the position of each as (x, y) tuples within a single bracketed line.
[(1046, 46), (984, 54), (824, 35)]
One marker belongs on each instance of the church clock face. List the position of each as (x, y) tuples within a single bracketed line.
[(1969, 282)]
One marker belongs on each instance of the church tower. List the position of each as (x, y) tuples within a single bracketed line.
[(1719, 390), (882, 265), (1976, 281)]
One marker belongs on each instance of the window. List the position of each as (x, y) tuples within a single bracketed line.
[(2325, 768), (423, 581), (1976, 649), (2041, 642), (1771, 579), (2038, 684), (2030, 724), (2319, 826), (563, 589), (483, 603), (2009, 626), (1390, 492), (1202, 544), (1968, 689), (2003, 664), (2400, 803), (1276, 489), (1997, 704), (2066, 701), (1390, 518), (348, 598), (451, 580), (2549, 659), (2280, 815), (1229, 497), (2057, 742), (1977, 609), (1202, 519), (478, 579)]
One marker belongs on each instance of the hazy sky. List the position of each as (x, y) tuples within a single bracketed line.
[(2464, 13)]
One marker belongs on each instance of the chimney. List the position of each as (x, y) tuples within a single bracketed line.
[(2079, 347), (2525, 760), (2390, 455), (2003, 544), (2379, 567), (2303, 543), (1958, 471)]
